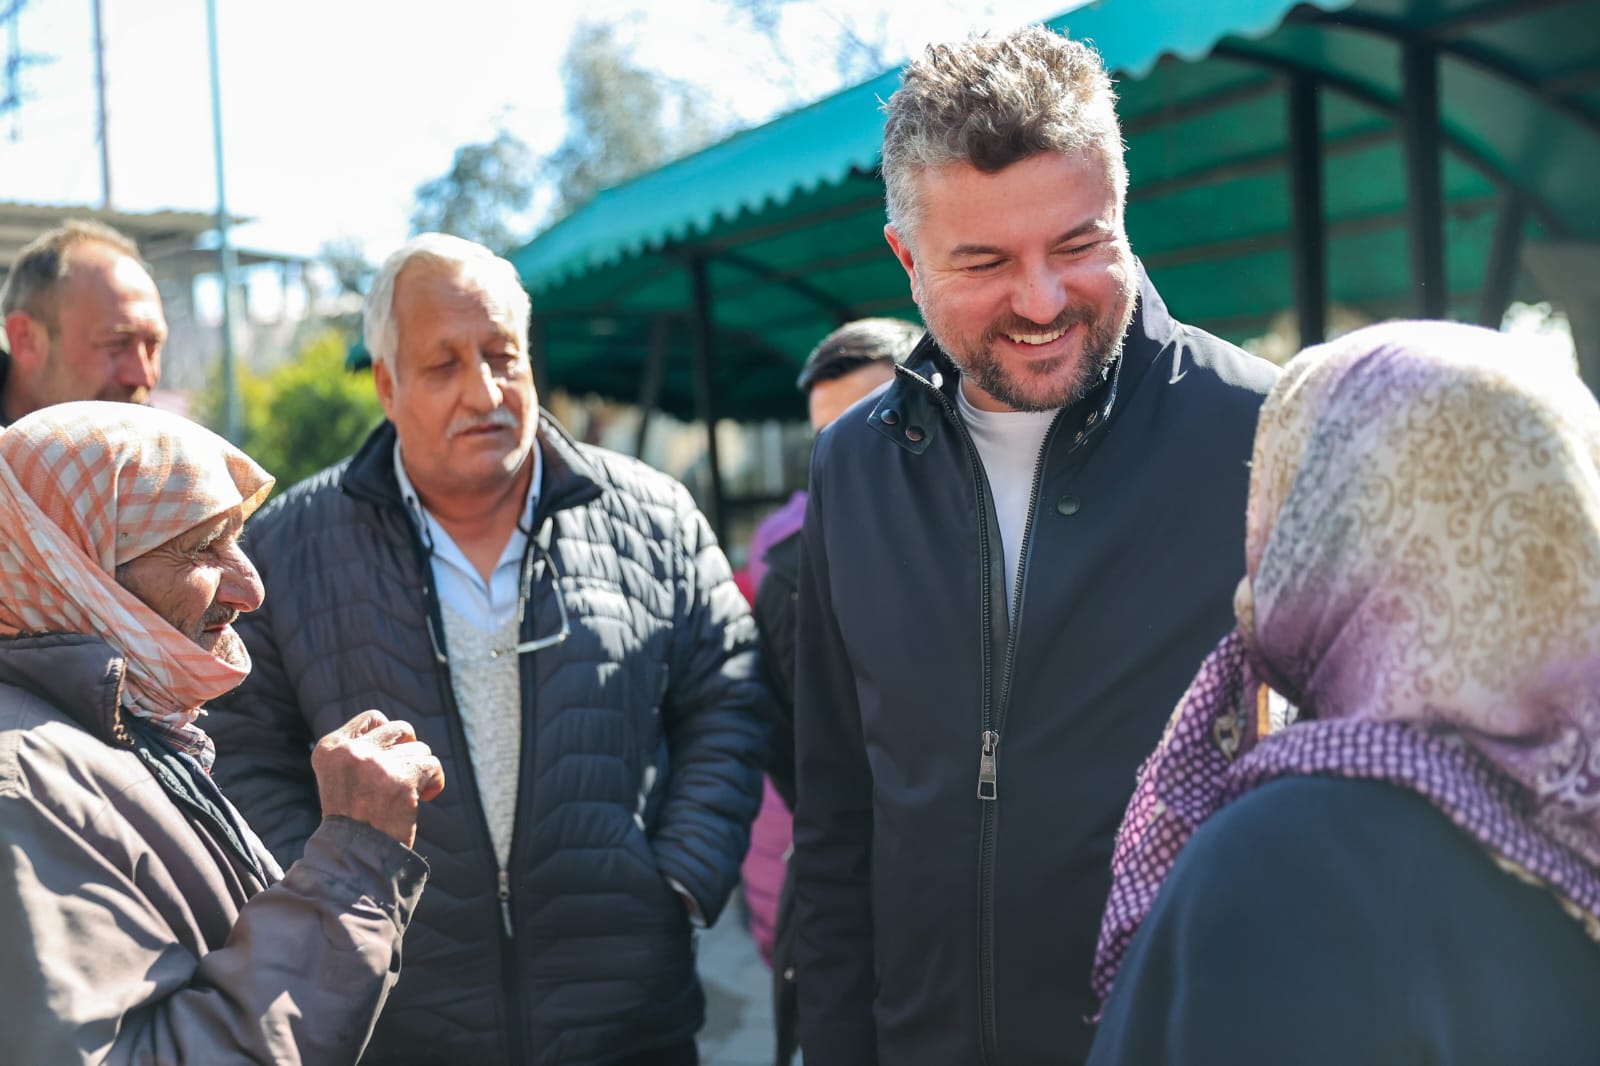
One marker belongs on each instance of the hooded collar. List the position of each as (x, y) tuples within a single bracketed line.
[(79, 675)]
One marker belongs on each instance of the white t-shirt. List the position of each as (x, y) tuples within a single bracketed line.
[(1008, 443)]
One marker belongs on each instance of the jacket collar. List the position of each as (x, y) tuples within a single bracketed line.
[(570, 477), (914, 407), (79, 675)]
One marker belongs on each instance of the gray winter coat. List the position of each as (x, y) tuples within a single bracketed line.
[(141, 922)]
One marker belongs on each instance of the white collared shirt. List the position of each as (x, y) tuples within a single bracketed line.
[(487, 605)]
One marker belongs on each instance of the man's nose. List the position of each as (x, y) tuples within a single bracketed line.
[(241, 587), (1040, 294), (483, 389), (140, 366)]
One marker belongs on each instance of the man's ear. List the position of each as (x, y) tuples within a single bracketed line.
[(902, 251), (383, 381), (28, 341)]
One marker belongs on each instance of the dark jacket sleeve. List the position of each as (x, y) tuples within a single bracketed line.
[(832, 825), (775, 621), (715, 722), (263, 740)]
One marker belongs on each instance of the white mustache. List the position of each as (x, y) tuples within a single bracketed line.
[(499, 418)]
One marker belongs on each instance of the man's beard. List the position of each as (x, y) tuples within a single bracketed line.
[(125, 394), (1056, 382), (229, 648)]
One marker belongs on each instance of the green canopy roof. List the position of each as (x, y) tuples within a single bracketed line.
[(776, 232)]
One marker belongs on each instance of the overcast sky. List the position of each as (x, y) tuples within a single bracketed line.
[(335, 110)]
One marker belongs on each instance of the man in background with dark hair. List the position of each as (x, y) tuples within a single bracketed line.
[(83, 321), (847, 365)]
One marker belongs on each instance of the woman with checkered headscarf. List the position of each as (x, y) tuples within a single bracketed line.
[(88, 488), (141, 921)]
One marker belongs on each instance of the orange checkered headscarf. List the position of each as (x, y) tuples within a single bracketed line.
[(85, 487)]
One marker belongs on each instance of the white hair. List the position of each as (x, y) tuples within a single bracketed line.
[(495, 276)]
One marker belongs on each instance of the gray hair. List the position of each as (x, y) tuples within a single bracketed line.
[(43, 264), (495, 276), (994, 101)]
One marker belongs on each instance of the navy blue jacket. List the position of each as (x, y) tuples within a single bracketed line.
[(935, 926), (643, 739), (1324, 922)]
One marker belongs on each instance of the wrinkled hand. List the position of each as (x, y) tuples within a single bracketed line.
[(376, 771)]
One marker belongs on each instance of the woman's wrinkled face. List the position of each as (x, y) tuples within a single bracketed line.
[(200, 582)]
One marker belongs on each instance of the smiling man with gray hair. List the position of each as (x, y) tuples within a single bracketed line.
[(561, 628), (1012, 560)]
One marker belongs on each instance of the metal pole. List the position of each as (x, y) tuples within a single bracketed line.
[(227, 262), (704, 394), (1305, 191), (1505, 255), (1419, 119), (539, 357), (11, 91), (100, 101), (654, 370)]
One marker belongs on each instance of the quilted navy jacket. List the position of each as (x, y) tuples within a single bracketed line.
[(642, 751), (961, 778)]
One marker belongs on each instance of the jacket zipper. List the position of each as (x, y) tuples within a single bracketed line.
[(989, 741), (502, 889), (991, 744), (994, 710), (1022, 573)]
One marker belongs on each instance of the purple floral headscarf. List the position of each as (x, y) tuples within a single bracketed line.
[(1422, 557)]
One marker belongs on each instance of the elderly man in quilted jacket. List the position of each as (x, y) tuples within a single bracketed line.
[(561, 628)]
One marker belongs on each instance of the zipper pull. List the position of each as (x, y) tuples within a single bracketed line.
[(503, 891), (988, 766)]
